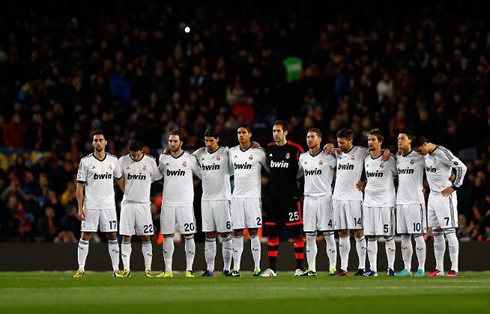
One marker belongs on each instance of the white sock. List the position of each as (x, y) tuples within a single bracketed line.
[(126, 254), (227, 251), (372, 252), (82, 253), (168, 252), (190, 251), (407, 251), (113, 246), (311, 250), (210, 253), (361, 251), (237, 251), (420, 250), (256, 249), (344, 249), (453, 243), (147, 250), (439, 250), (331, 247), (390, 252)]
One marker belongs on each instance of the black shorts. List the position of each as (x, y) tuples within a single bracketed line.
[(284, 212)]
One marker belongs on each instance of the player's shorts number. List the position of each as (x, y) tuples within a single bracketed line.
[(259, 221), (189, 227), (147, 228), (228, 224), (330, 224), (416, 226), (447, 220), (385, 228), (357, 221), (112, 224), (293, 216)]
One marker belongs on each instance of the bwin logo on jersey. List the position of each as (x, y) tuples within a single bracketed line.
[(280, 164), (431, 169), (136, 176), (405, 171), (345, 167), (210, 167), (242, 166), (175, 173), (374, 174), (105, 176), (316, 172)]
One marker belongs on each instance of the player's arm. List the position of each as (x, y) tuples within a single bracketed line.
[(450, 160), (156, 176), (300, 168), (196, 169), (263, 159), (118, 175), (79, 193), (121, 183)]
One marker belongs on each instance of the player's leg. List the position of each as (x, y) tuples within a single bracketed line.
[(388, 225), (272, 230), (370, 216), (167, 224), (82, 253), (126, 254), (361, 249), (310, 223), (325, 214), (340, 224), (253, 221), (420, 249), (406, 245), (450, 233), (311, 252), (144, 229), (108, 224), (209, 229), (227, 251), (147, 251), (436, 221), (224, 227), (187, 226), (256, 249), (294, 220), (372, 252), (238, 223), (127, 226), (355, 224)]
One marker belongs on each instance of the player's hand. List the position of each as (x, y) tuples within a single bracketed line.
[(81, 213), (452, 177), (328, 148), (361, 185), (386, 155), (447, 191), (166, 151), (399, 152), (255, 144)]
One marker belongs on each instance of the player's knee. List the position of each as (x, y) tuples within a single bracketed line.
[(449, 231), (389, 238), (328, 233), (357, 233), (86, 236), (171, 235), (111, 236), (253, 232), (310, 235), (406, 237), (225, 235), (188, 236), (238, 233), (211, 235)]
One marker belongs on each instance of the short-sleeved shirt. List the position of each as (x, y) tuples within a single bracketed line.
[(246, 167), (215, 171), (318, 172)]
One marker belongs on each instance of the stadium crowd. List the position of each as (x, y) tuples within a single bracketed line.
[(139, 70)]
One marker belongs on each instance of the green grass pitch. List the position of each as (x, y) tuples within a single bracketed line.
[(58, 292)]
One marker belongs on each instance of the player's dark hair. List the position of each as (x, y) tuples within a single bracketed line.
[(316, 130), (175, 132), (408, 133), (419, 141), (245, 126), (98, 132), (135, 146), (345, 133), (282, 123), (377, 132), (210, 132)]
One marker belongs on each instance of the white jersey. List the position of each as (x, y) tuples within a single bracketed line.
[(349, 170), (380, 186), (410, 168), (318, 172), (438, 167), (178, 184), (138, 177), (246, 166), (98, 176), (215, 171)]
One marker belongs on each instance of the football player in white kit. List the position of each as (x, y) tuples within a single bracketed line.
[(443, 203), (347, 199), (378, 208), (246, 206), (135, 173), (178, 198), (215, 203), (317, 167), (96, 202), (410, 204)]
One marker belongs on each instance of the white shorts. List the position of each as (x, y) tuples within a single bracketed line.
[(317, 213), (135, 219), (178, 219), (105, 219), (443, 211), (216, 216), (411, 219), (378, 221), (246, 213), (347, 215)]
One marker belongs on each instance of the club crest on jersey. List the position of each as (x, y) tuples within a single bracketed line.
[(218, 158), (412, 161), (110, 166), (184, 164), (288, 156), (382, 165), (320, 162), (250, 157), (352, 157), (144, 167)]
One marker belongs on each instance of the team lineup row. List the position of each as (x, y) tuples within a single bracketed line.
[(371, 188)]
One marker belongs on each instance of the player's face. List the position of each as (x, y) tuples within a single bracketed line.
[(211, 143), (403, 142), (278, 133), (243, 135), (373, 142), (422, 150), (174, 143), (99, 143), (136, 155), (344, 144), (313, 140)]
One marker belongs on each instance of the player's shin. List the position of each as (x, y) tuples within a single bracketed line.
[(344, 249), (126, 254), (83, 246), (420, 249), (227, 252), (372, 252), (439, 250), (331, 248), (237, 251), (190, 251), (256, 249), (453, 243), (390, 251), (407, 251), (210, 253), (113, 247), (168, 252), (361, 251), (147, 250), (311, 250)]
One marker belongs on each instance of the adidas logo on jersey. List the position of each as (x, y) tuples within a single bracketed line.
[(176, 173), (405, 171), (103, 176), (431, 169), (136, 176), (280, 164), (210, 167), (376, 174), (242, 166), (313, 172), (345, 167)]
